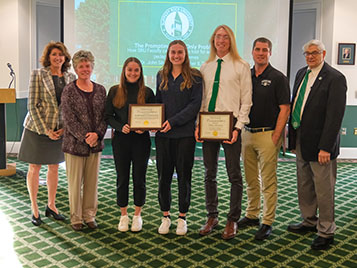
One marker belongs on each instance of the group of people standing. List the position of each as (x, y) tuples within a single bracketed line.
[(259, 99)]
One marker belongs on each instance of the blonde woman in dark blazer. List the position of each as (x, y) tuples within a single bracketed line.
[(42, 136)]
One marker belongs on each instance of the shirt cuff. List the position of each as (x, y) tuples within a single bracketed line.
[(239, 125)]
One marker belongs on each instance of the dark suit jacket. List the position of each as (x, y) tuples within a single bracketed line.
[(323, 113), (346, 56)]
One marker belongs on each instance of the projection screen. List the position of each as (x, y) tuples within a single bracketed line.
[(114, 30)]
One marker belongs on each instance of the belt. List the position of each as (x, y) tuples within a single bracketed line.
[(258, 129)]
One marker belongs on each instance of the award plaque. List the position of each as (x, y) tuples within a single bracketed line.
[(146, 116), (215, 126)]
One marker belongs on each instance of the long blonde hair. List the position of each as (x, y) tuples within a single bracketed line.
[(188, 73), (121, 95), (233, 51)]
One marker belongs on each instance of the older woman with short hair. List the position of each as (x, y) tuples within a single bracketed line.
[(42, 137), (83, 103)]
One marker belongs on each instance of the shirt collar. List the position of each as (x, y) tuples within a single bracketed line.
[(315, 71), (227, 57), (266, 70)]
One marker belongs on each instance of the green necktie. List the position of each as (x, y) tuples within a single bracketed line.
[(297, 110), (212, 102)]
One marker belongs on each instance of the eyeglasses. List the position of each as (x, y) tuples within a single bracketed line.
[(314, 53), (224, 37)]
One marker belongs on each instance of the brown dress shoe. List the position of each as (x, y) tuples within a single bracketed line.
[(77, 227), (92, 224), (209, 225), (230, 230)]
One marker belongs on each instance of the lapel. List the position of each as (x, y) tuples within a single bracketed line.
[(298, 81), (67, 77), (318, 81), (48, 81)]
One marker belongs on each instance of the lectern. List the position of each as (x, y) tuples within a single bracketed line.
[(7, 95)]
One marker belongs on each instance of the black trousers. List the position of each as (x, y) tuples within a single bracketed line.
[(130, 149), (175, 153), (210, 158)]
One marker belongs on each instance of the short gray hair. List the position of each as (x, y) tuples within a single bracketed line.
[(314, 42), (82, 55)]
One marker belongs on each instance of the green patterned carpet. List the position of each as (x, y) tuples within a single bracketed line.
[(55, 244)]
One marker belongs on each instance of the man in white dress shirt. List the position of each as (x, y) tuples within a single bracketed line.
[(233, 93)]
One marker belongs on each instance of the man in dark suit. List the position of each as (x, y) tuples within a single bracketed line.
[(318, 105), (346, 53)]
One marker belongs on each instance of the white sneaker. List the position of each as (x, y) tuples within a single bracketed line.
[(137, 224), (124, 223), (165, 225), (181, 227)]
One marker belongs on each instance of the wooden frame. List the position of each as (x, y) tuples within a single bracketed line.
[(215, 126), (146, 116), (346, 53)]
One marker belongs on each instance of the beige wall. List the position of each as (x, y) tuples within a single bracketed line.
[(16, 45), (338, 25), (344, 31)]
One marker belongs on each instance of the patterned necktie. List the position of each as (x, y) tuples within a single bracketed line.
[(212, 102), (297, 110)]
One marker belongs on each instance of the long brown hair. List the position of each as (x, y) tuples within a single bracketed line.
[(121, 95), (45, 59), (188, 73)]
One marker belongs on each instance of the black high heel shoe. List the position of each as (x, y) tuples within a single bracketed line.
[(49, 212), (36, 221)]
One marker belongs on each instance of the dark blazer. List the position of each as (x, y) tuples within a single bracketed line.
[(323, 113)]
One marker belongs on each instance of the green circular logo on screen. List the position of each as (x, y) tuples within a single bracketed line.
[(176, 23)]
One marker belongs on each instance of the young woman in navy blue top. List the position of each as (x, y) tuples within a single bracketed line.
[(179, 87)]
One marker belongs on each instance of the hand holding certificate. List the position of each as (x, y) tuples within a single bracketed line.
[(215, 126), (146, 116)]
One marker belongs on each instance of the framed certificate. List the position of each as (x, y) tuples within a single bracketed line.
[(215, 126), (146, 116)]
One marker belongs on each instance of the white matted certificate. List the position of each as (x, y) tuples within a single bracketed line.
[(146, 116), (215, 126)]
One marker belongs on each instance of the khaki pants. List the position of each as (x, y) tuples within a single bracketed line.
[(83, 201), (260, 157)]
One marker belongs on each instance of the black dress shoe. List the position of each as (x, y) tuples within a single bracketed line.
[(321, 243), (36, 221), (49, 212), (245, 222), (299, 228), (263, 232)]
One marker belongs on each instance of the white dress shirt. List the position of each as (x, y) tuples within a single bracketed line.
[(310, 83), (235, 88)]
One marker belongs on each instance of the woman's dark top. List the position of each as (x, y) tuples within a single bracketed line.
[(59, 83), (118, 117), (181, 106)]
